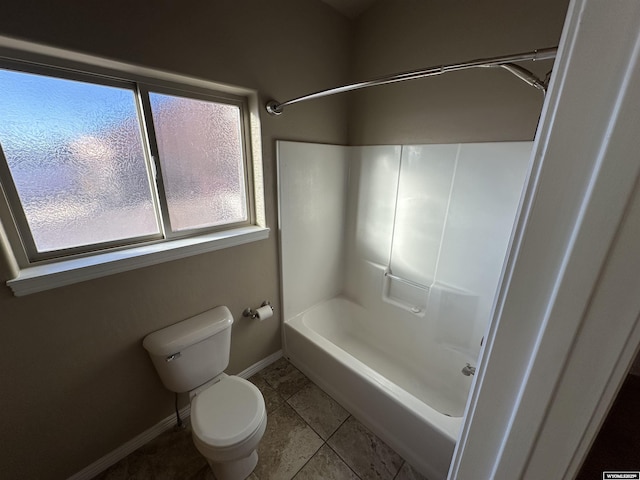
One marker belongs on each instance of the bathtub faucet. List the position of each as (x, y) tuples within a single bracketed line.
[(468, 370)]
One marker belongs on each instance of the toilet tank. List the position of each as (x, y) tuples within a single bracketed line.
[(193, 351)]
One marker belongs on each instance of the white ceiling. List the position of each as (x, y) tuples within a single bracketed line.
[(350, 8)]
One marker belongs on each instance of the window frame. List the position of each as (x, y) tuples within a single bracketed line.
[(144, 100), (38, 274), (28, 246)]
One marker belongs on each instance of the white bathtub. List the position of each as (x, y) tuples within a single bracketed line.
[(417, 414)]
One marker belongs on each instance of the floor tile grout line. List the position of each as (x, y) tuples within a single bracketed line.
[(399, 469), (305, 463), (339, 426), (284, 400), (395, 475), (291, 394), (343, 460), (307, 424), (324, 442)]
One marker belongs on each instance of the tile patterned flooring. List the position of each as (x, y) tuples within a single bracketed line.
[(309, 436)]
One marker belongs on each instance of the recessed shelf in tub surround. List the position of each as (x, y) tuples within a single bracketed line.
[(405, 294)]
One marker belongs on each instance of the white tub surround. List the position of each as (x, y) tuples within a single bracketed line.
[(448, 212), (391, 257)]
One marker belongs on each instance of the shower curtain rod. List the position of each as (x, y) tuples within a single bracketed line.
[(506, 62)]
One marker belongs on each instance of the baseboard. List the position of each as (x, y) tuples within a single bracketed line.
[(128, 448), (264, 363), (145, 437)]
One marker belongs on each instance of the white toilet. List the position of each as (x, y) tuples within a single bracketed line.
[(228, 416)]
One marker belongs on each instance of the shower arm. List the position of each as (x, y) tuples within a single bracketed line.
[(526, 76), (506, 62)]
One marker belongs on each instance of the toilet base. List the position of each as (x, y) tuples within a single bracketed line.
[(236, 469)]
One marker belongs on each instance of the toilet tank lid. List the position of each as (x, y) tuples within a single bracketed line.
[(177, 337)]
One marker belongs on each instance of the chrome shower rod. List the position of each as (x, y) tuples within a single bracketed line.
[(506, 62)]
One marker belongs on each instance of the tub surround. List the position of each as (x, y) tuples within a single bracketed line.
[(409, 244), (437, 218)]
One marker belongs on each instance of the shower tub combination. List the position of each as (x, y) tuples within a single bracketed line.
[(437, 218), (391, 256)]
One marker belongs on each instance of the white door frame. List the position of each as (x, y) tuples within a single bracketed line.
[(565, 326)]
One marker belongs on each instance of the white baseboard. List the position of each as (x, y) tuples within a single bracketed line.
[(131, 446), (145, 437), (264, 363)]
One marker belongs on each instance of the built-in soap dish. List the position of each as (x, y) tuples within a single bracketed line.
[(406, 294)]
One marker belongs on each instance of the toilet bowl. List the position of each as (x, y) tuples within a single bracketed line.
[(228, 420), (228, 415)]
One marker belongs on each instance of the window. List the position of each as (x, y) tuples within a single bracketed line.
[(77, 173), (92, 163), (200, 148)]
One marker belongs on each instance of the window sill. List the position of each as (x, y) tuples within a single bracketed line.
[(66, 272)]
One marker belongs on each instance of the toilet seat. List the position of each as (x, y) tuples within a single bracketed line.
[(227, 413)]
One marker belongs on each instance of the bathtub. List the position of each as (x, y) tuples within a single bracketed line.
[(415, 414)]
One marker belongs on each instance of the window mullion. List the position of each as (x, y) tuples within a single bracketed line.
[(248, 163), (17, 211), (153, 161)]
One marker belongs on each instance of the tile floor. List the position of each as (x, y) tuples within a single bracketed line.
[(308, 436)]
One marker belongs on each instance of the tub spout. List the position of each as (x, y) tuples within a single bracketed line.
[(468, 370)]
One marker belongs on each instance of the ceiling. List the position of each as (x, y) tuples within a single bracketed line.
[(350, 8)]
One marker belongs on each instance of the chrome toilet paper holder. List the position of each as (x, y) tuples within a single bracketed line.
[(248, 312)]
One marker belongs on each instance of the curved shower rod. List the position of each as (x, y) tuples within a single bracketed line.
[(506, 62)]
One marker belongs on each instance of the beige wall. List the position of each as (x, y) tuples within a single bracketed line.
[(76, 383), (468, 106)]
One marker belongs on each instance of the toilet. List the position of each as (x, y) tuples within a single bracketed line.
[(228, 416)]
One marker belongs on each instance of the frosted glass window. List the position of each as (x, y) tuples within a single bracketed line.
[(75, 155), (90, 163), (202, 161)]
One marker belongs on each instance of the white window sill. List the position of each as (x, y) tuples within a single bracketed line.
[(66, 272)]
